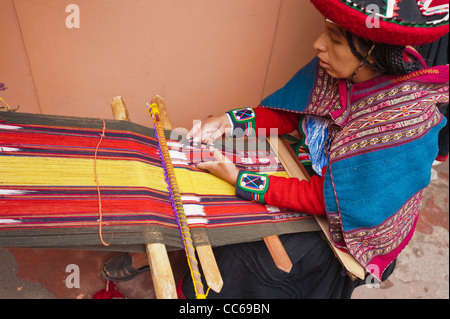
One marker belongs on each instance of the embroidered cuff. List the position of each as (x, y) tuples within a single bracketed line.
[(243, 121), (252, 186)]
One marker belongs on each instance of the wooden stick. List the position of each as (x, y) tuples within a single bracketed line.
[(162, 274), (163, 115), (183, 225), (292, 168), (204, 251), (278, 253), (208, 261), (161, 271), (119, 109)]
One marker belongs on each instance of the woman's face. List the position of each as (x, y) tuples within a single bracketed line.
[(334, 52)]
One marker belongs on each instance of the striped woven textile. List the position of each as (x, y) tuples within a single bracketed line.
[(49, 194)]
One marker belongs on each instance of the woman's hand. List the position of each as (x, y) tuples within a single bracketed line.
[(222, 168), (210, 129)]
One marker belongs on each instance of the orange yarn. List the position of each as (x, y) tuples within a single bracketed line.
[(102, 135)]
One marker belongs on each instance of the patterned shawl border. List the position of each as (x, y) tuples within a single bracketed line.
[(325, 94), (378, 245), (400, 131), (401, 119), (364, 243)]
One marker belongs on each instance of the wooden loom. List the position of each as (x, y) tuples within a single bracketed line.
[(157, 252), (273, 243)]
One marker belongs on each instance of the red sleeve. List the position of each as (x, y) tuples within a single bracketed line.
[(302, 196), (284, 121)]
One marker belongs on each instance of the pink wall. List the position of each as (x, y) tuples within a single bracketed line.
[(202, 56)]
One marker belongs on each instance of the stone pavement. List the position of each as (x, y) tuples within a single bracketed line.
[(422, 270)]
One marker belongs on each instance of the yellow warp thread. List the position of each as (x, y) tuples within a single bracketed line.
[(56, 171), (195, 182), (48, 171)]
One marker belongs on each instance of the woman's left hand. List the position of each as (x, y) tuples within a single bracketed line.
[(222, 168)]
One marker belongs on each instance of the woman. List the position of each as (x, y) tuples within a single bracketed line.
[(374, 105), (366, 110)]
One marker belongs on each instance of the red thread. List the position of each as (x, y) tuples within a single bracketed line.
[(102, 135), (110, 292)]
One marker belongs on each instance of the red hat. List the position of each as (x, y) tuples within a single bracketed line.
[(397, 22)]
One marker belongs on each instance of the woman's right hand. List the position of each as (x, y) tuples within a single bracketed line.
[(209, 129)]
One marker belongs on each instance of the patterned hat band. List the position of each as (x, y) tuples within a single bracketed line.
[(396, 22)]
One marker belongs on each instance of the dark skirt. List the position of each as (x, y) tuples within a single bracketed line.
[(249, 272)]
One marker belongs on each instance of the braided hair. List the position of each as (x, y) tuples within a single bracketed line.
[(389, 59)]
